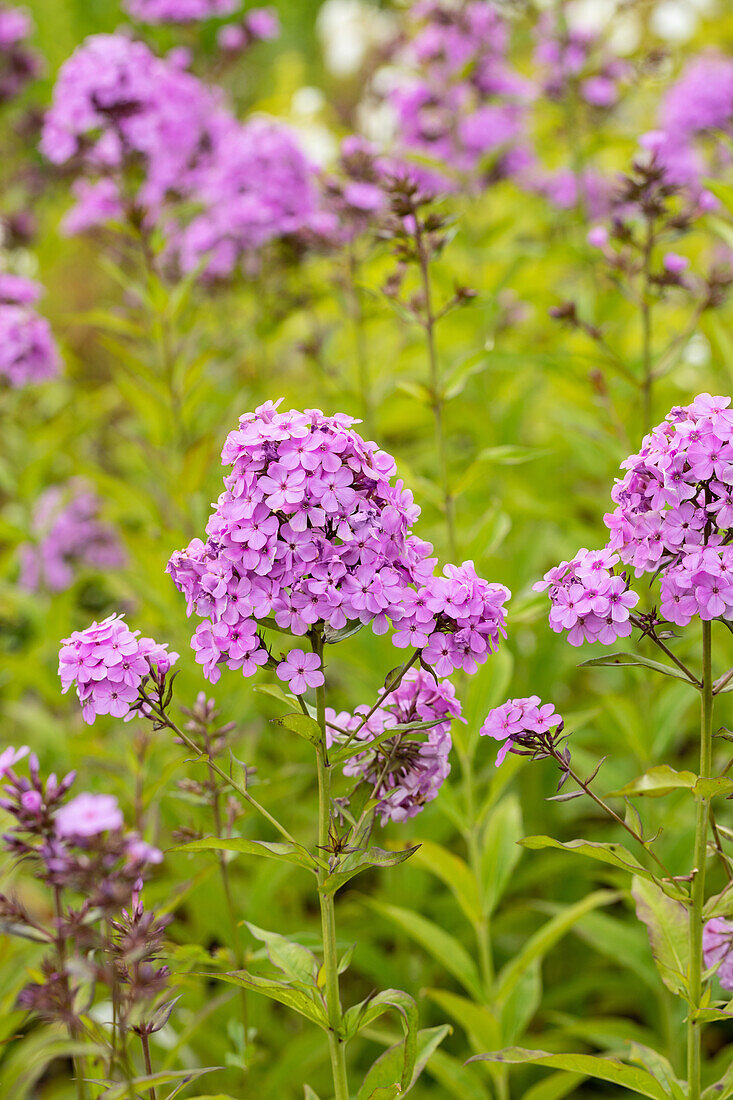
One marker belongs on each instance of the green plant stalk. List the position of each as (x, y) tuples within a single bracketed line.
[(231, 911), (694, 1031), (435, 388), (78, 1062), (336, 1047), (145, 1043)]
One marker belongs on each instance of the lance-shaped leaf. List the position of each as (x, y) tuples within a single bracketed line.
[(659, 1067), (480, 1024), (274, 849), (667, 924), (657, 782), (357, 745), (589, 1065), (445, 949), (296, 961), (713, 787), (635, 659), (545, 938), (614, 854), (361, 1015), (461, 1082), (309, 1093), (455, 874), (357, 862), (283, 992), (152, 1080), (388, 1070), (303, 725)]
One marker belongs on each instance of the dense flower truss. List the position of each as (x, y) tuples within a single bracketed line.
[(68, 536), (699, 104), (258, 185), (576, 60), (673, 518), (178, 11), (107, 663), (457, 101), (522, 725), (403, 772), (28, 352), (310, 529), (217, 187), (18, 63)]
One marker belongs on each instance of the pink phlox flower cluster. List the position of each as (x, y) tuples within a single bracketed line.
[(68, 536), (673, 518), (406, 772), (310, 529), (572, 57), (699, 104), (217, 187), (717, 947), (516, 719), (18, 63), (258, 25), (106, 663), (259, 185), (461, 104), (178, 11), (28, 352), (588, 600)]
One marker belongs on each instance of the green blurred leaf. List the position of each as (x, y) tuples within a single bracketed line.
[(668, 927), (296, 961), (454, 873), (589, 1065), (354, 864), (271, 849)]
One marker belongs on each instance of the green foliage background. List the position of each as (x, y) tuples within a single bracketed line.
[(532, 450)]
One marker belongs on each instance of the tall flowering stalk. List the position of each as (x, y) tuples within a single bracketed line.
[(672, 520), (311, 539)]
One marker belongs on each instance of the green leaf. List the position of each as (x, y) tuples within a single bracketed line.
[(522, 1003), (722, 1089), (460, 1081), (274, 849), (371, 1008), (718, 785), (303, 725), (454, 873), (659, 1067), (296, 961), (614, 854), (540, 943), (388, 1070), (589, 1065), (353, 864), (554, 1087), (668, 927), (331, 636), (480, 1024), (657, 782), (445, 949), (635, 659), (501, 850), (357, 745), (283, 992), (309, 1093), (151, 1081)]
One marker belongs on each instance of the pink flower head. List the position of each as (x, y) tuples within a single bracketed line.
[(88, 815), (520, 721), (302, 671), (717, 947)]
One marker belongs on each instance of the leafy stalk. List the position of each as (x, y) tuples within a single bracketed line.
[(336, 1046), (694, 1036)]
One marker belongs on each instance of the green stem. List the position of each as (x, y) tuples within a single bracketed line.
[(77, 1060), (694, 1036), (336, 1047), (145, 1043), (646, 330), (231, 911), (161, 716), (435, 387)]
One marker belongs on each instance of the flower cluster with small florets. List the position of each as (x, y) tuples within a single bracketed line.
[(68, 535), (107, 663), (404, 771), (28, 352), (523, 725), (311, 530), (673, 518)]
